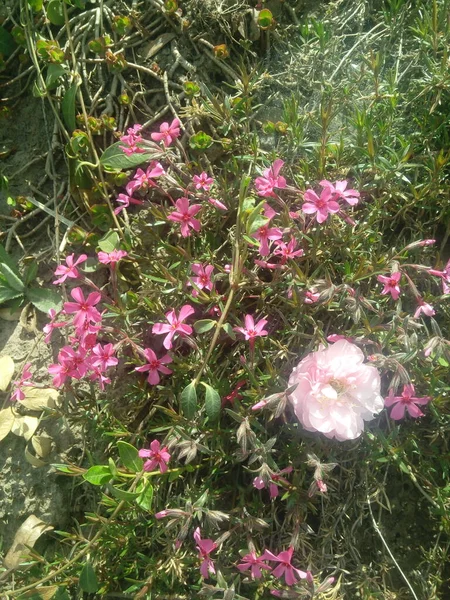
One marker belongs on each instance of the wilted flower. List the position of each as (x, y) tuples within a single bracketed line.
[(424, 308), (336, 392)]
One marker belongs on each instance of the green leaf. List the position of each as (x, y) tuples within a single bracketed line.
[(68, 107), (204, 325), (123, 494), (254, 216), (265, 19), (8, 294), (54, 72), (30, 273), (44, 299), (7, 260), (88, 579), (213, 402), (130, 457), (200, 141), (61, 594), (98, 475), (55, 12), (145, 498), (114, 158), (229, 330), (188, 400), (36, 5), (12, 279), (7, 43), (109, 242)]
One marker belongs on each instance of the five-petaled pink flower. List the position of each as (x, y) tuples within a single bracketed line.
[(167, 133), (174, 325), (18, 393), (266, 233), (184, 215), (339, 190), (322, 206), (285, 566), (287, 250), (391, 284), (131, 139), (203, 279), (425, 308), (203, 181), (407, 401), (111, 258), (154, 365), (252, 330), (270, 180), (205, 547), (103, 357), (125, 201), (142, 180), (260, 484), (157, 457), (48, 329), (69, 269), (254, 563), (84, 309)]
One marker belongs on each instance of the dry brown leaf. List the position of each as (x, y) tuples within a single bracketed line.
[(44, 593), (28, 318), (27, 535), (7, 315), (6, 421), (42, 445), (155, 46), (34, 460), (25, 426), (6, 371), (39, 398)]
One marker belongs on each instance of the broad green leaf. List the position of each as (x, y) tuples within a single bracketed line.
[(123, 494), (88, 579), (212, 402), (114, 158), (229, 329), (11, 277), (7, 260), (44, 299), (98, 475), (204, 325), (61, 594), (68, 106), (36, 5), (8, 294), (188, 400), (7, 43), (55, 12), (145, 498), (130, 457), (54, 72), (109, 242), (30, 273), (6, 371)]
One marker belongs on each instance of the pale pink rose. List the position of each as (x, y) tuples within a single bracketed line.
[(336, 392)]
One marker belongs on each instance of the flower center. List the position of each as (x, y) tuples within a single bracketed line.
[(339, 386)]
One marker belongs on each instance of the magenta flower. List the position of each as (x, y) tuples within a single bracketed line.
[(254, 563), (424, 308), (203, 181), (407, 401), (125, 200), (48, 329), (131, 139), (203, 279), (217, 203), (320, 206), (184, 215), (167, 133), (142, 180), (339, 190), (18, 393), (111, 258), (70, 270), (259, 482), (175, 325), (311, 296), (205, 547), (270, 180), (157, 457), (154, 365), (287, 250), (98, 376), (84, 309), (391, 284), (103, 356), (285, 566), (252, 330), (266, 233), (71, 363)]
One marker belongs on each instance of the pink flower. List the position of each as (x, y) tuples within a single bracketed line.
[(48, 329), (18, 393), (157, 457), (203, 279), (131, 139), (288, 250), (104, 356), (70, 270), (254, 563), (336, 392), (407, 401), (391, 284), (154, 365), (143, 180), (259, 482), (184, 215), (339, 190), (97, 375), (167, 133), (285, 567), (335, 337), (125, 200), (71, 363), (270, 180), (111, 258), (203, 181), (266, 233), (311, 297), (321, 206), (424, 308), (205, 547), (84, 309), (175, 325), (252, 331), (217, 203)]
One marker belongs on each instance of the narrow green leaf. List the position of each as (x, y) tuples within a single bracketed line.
[(12, 279), (130, 457), (114, 157), (54, 72), (30, 273), (44, 299), (98, 475), (88, 579), (204, 325), (145, 498), (109, 242), (212, 402), (123, 494), (188, 401), (68, 107)]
